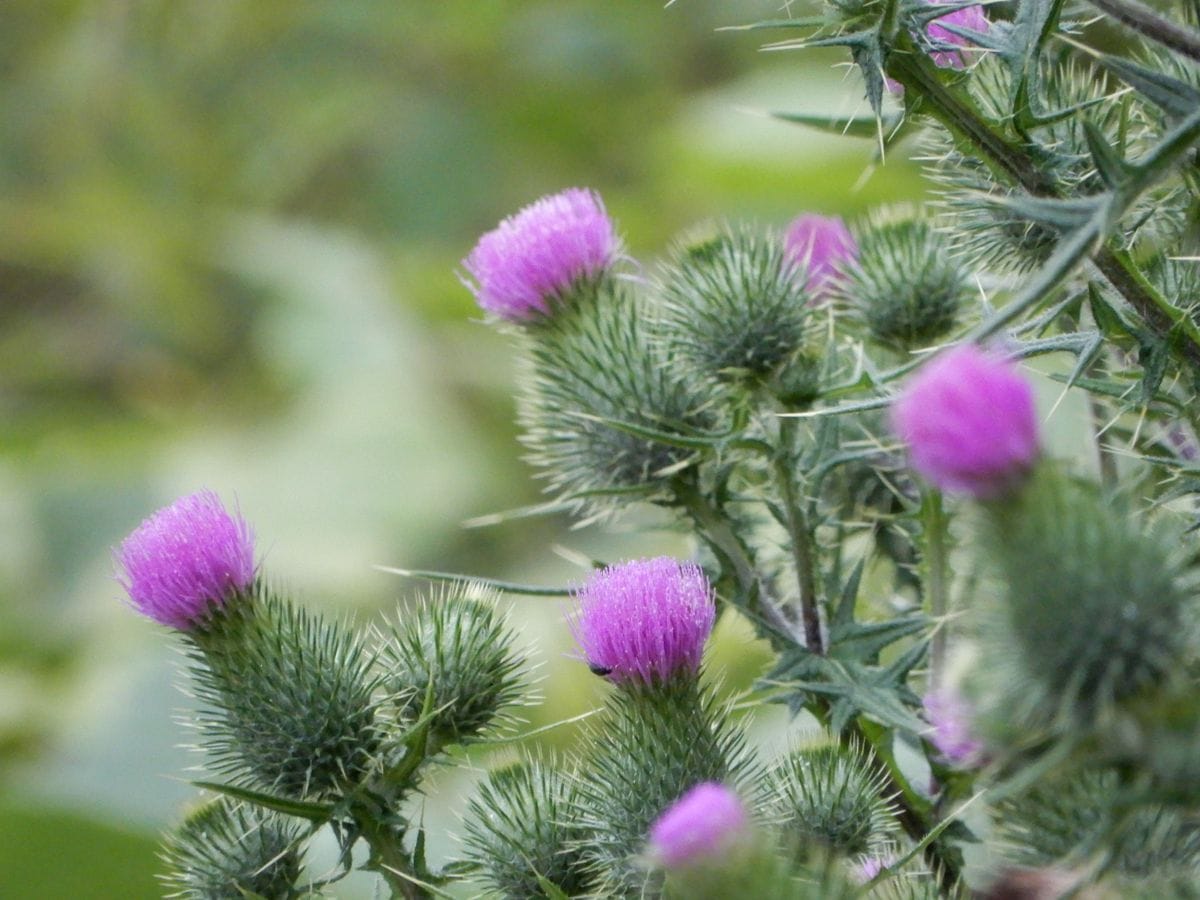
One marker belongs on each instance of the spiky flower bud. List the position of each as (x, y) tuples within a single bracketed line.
[(287, 699), (906, 286), (832, 796), (735, 305), (520, 830), (461, 645), (945, 41), (949, 715), (821, 245), (969, 421), (1092, 610), (533, 258), (702, 825), (187, 560), (644, 622), (596, 366), (227, 850)]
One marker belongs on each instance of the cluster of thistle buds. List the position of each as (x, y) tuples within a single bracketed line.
[(974, 640)]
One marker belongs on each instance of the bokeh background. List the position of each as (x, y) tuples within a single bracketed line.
[(229, 235)]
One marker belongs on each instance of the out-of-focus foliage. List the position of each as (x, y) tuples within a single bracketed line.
[(228, 240)]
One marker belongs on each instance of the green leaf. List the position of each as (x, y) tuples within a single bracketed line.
[(1109, 163), (317, 813), (505, 587), (551, 890), (862, 642), (854, 126), (1174, 97)]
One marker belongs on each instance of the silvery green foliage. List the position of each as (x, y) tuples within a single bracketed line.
[(230, 851), (593, 367), (287, 699), (522, 832), (454, 652), (907, 287), (833, 796), (735, 310)]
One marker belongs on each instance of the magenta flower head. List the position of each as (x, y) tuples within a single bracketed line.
[(949, 715), (970, 17), (700, 826), (186, 559), (969, 421), (822, 244), (646, 621), (530, 259)]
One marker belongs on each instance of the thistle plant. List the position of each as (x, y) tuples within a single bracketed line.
[(987, 608)]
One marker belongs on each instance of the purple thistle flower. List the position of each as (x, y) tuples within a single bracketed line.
[(186, 559), (644, 621), (537, 254), (701, 825), (972, 17), (969, 421), (949, 716), (822, 244), (871, 866)]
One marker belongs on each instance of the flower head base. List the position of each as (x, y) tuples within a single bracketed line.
[(645, 621), (821, 244), (949, 716), (534, 256), (969, 420), (970, 17), (699, 827), (186, 559)]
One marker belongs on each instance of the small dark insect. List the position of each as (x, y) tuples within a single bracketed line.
[(599, 670)]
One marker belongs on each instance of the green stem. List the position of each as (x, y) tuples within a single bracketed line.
[(732, 553), (1145, 20), (935, 581), (387, 854), (800, 537)]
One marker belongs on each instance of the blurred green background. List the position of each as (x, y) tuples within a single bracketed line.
[(229, 232)]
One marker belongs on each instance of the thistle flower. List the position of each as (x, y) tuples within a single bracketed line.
[(969, 421), (533, 257), (186, 560), (700, 826), (820, 244), (949, 716), (644, 621), (970, 17)]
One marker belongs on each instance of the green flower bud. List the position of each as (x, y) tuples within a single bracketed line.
[(459, 644), (287, 699), (832, 796), (230, 851), (521, 832), (907, 287), (735, 306), (593, 366)]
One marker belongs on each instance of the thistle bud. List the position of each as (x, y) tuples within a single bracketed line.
[(461, 646), (906, 286), (735, 305), (701, 826), (226, 850), (969, 421), (832, 796), (645, 622), (1092, 611), (521, 831), (186, 561), (533, 259), (287, 700)]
